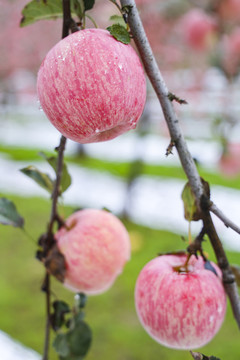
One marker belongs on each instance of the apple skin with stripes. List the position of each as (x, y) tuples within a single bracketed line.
[(96, 246), (180, 309), (92, 87)]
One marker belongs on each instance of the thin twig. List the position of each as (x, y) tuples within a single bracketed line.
[(67, 18), (228, 276), (186, 159), (48, 310), (53, 217), (56, 190), (227, 222), (55, 194)]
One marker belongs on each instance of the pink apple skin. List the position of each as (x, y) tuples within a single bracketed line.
[(231, 52), (96, 247), (91, 86), (180, 310), (198, 29), (230, 10)]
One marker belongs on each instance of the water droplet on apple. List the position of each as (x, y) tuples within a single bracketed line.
[(39, 105)]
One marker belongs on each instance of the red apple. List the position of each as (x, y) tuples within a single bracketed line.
[(181, 310), (231, 52), (91, 86), (96, 247), (229, 10), (198, 29)]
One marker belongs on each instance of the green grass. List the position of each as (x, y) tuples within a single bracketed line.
[(123, 169), (117, 333)]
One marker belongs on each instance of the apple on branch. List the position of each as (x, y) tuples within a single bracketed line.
[(96, 246), (91, 86), (180, 307)]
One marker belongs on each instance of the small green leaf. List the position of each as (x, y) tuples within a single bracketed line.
[(57, 318), (81, 300), (190, 207), (39, 177), (88, 4), (60, 344), (41, 10), (78, 8), (79, 339), (118, 19), (9, 214), (71, 357), (120, 33), (37, 10), (66, 178)]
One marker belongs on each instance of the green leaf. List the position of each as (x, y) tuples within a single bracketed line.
[(9, 214), (57, 318), (79, 339), (81, 300), (41, 10), (190, 207), (37, 10), (118, 19), (120, 33), (88, 4), (71, 357), (39, 177), (77, 6), (60, 344), (66, 178)]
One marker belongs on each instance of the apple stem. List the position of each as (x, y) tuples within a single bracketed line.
[(196, 245), (183, 268), (189, 233)]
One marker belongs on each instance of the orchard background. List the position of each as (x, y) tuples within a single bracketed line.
[(198, 51)]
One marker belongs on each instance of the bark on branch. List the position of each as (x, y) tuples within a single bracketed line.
[(186, 159)]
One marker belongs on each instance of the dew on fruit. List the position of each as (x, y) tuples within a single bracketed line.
[(120, 66), (211, 319), (39, 105), (97, 131), (132, 122)]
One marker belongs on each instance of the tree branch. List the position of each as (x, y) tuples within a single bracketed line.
[(55, 195), (227, 222), (186, 159), (228, 276), (67, 18), (56, 190)]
